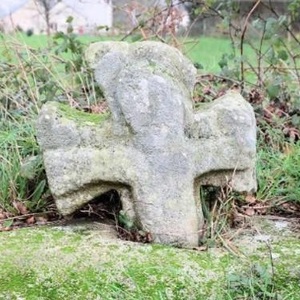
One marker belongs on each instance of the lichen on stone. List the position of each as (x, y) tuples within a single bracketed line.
[(80, 116)]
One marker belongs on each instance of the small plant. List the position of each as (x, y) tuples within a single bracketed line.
[(218, 205), (129, 229), (278, 174), (30, 77), (29, 32), (257, 283), (23, 176), (85, 93)]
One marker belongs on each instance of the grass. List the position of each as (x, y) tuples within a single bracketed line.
[(31, 259), (207, 51), (33, 76), (277, 175), (31, 268), (40, 41), (18, 182), (204, 50)]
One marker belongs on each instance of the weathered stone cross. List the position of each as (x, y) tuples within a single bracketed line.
[(154, 149)]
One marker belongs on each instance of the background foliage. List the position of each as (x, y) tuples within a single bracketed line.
[(255, 53)]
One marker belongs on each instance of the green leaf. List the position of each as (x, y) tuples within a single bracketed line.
[(296, 104), (8, 223), (101, 27), (223, 62), (282, 20), (296, 120), (258, 24), (273, 90), (271, 55), (69, 19), (126, 221), (282, 54), (198, 66), (39, 191), (136, 37)]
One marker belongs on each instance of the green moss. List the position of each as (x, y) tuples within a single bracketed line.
[(50, 263), (81, 116), (68, 249)]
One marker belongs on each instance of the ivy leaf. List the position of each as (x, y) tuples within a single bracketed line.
[(8, 223), (223, 62), (273, 90), (258, 24), (198, 66), (282, 20), (296, 120), (282, 54)]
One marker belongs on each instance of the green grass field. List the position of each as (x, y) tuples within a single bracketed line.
[(206, 51), (77, 262)]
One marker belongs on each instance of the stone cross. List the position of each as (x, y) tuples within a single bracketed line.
[(154, 149)]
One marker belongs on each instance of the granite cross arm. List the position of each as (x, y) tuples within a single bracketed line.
[(154, 149)]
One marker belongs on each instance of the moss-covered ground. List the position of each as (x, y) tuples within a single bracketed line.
[(81, 263)]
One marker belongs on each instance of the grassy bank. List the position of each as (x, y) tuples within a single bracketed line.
[(80, 263), (36, 69), (76, 262)]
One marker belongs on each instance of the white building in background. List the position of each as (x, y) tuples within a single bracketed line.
[(8, 7), (58, 15), (28, 15), (96, 12), (25, 16)]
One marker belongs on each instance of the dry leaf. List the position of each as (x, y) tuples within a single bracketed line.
[(20, 207), (288, 148), (238, 218), (2, 216), (8, 214), (201, 248), (290, 207), (100, 108), (261, 209), (30, 220), (6, 228), (250, 199), (149, 238), (18, 223), (249, 211), (41, 220)]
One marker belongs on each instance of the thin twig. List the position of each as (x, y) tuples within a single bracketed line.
[(27, 215), (229, 246), (152, 18), (242, 41), (260, 57)]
